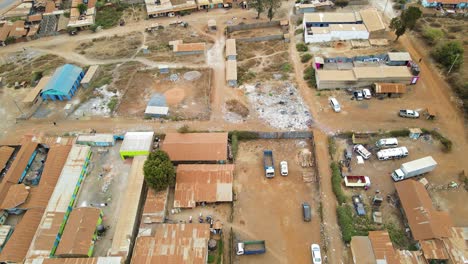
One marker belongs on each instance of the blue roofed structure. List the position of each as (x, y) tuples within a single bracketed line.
[(64, 83)]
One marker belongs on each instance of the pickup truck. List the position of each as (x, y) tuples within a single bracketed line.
[(268, 163), (357, 181), (251, 247), (358, 205), (409, 113)]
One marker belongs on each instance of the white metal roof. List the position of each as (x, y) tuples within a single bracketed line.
[(90, 74), (95, 138), (399, 56), (68, 179), (157, 110), (137, 141)]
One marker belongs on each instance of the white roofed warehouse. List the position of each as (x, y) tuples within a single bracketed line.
[(136, 144)]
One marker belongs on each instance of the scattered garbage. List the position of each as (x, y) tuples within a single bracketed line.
[(174, 77), (98, 105), (279, 105)]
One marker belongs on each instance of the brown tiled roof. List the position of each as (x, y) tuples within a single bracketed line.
[(196, 146), (78, 234), (173, 243), (46, 234), (5, 155), (390, 88), (424, 221), (383, 247), (17, 246), (203, 183), (17, 194), (154, 210), (187, 47), (50, 7), (18, 29), (40, 195), (433, 249), (17, 167)]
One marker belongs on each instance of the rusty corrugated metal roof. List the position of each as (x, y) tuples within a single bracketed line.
[(424, 221), (78, 234), (196, 146), (383, 247), (17, 246), (5, 155), (390, 88), (46, 234), (203, 183), (433, 249), (173, 243), (16, 195), (154, 209)]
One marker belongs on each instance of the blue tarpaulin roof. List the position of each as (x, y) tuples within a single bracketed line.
[(63, 80)]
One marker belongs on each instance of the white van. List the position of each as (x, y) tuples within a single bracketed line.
[(367, 94), (335, 105), (361, 150), (387, 143)]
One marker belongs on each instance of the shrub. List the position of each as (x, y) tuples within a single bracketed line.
[(345, 220), (336, 183), (399, 133), (299, 31), (299, 21), (184, 129), (306, 57), (301, 47), (309, 76), (286, 67), (234, 146), (432, 35), (397, 236), (449, 54), (112, 103), (211, 258), (446, 143), (435, 24)]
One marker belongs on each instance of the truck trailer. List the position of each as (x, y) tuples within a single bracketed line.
[(251, 247), (392, 153), (414, 168), (357, 181), (268, 163)]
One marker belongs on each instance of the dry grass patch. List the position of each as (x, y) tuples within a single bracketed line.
[(114, 47), (237, 107)]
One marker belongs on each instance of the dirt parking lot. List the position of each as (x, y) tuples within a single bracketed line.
[(379, 172), (270, 209)]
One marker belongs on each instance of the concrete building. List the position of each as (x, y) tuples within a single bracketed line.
[(203, 183), (312, 6), (398, 58), (63, 83), (96, 140), (189, 48), (156, 111), (90, 73), (231, 73), (188, 243), (362, 77), (136, 144), (168, 7), (78, 20), (196, 147), (324, 27), (231, 51)]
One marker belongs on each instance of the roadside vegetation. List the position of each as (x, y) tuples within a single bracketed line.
[(109, 16), (406, 20), (309, 76)]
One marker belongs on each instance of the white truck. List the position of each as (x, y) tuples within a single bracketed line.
[(414, 168), (392, 153)]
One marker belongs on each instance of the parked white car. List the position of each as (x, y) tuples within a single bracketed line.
[(367, 94), (284, 168), (316, 256), (335, 105)]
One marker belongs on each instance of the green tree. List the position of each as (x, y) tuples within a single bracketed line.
[(82, 8), (259, 6), (397, 25), (448, 54), (341, 3), (410, 16), (272, 6), (159, 171)]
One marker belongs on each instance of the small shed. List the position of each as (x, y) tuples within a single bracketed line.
[(96, 140), (92, 71), (189, 48), (415, 133), (231, 51), (231, 73), (163, 69), (136, 144), (33, 96), (398, 58), (156, 111), (212, 25)]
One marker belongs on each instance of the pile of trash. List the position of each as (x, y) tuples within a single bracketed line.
[(279, 105), (98, 105)]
